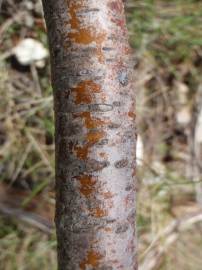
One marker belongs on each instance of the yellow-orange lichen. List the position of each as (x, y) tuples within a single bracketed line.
[(74, 22), (92, 122), (85, 35), (84, 92), (99, 212), (91, 139), (134, 172), (95, 137), (103, 155), (93, 259), (108, 195), (82, 151), (108, 229), (87, 184), (132, 114)]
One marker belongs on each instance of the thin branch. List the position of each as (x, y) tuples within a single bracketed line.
[(155, 253), (29, 218)]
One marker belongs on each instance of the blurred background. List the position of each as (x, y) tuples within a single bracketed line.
[(167, 41)]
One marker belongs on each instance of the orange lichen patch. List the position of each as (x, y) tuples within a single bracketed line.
[(87, 36), (132, 114), (103, 155), (92, 122), (87, 184), (134, 173), (93, 259), (99, 212), (127, 50), (74, 22), (82, 151), (107, 195), (100, 54), (85, 90), (82, 35), (107, 229), (92, 138), (115, 261)]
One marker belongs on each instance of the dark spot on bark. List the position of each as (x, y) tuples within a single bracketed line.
[(128, 136), (87, 50), (109, 221), (114, 125), (124, 93), (121, 163), (90, 10), (121, 228), (110, 60), (103, 142), (116, 103), (131, 217), (84, 72), (104, 267), (94, 165), (129, 187), (123, 78), (107, 49), (98, 78)]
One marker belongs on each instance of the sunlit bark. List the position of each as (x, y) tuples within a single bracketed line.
[(95, 134)]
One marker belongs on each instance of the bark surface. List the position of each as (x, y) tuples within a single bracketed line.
[(95, 134)]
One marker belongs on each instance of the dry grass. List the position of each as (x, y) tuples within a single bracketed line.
[(25, 248), (167, 37)]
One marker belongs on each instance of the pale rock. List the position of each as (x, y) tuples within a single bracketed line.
[(29, 51), (183, 116)]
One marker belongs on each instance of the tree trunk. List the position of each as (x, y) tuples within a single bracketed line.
[(95, 134)]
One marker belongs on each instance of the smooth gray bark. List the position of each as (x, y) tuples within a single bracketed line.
[(95, 134)]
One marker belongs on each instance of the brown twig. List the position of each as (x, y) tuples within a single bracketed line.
[(155, 253), (27, 217)]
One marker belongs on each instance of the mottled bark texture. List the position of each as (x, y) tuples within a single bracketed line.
[(95, 134)]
